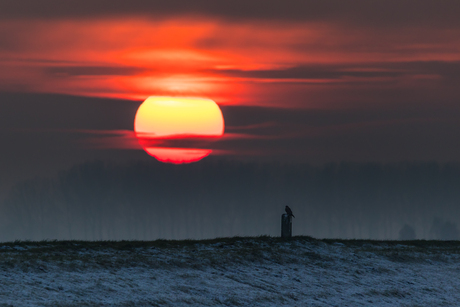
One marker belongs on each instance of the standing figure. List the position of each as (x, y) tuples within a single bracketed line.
[(289, 211)]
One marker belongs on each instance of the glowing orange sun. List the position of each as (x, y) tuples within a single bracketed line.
[(162, 121)]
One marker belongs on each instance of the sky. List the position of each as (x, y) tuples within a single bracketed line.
[(298, 82)]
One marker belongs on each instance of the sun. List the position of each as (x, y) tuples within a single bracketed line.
[(163, 124)]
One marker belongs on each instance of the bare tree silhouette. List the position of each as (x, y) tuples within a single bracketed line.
[(407, 233), (444, 230)]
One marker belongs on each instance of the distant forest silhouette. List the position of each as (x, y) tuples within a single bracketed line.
[(216, 198)]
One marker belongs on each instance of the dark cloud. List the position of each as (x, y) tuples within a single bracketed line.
[(319, 136), (306, 72), (43, 133), (449, 70), (38, 132), (445, 69), (63, 112), (374, 13), (93, 70), (241, 116)]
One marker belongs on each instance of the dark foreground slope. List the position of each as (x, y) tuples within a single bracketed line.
[(262, 271)]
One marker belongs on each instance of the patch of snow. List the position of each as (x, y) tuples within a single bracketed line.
[(249, 273)]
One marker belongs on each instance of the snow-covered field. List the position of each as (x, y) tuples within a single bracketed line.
[(260, 271)]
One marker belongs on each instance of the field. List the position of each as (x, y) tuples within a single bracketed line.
[(239, 271)]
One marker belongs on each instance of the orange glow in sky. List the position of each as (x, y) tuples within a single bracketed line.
[(316, 61), (200, 57), (162, 118)]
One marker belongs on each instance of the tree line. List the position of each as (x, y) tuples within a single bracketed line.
[(214, 198)]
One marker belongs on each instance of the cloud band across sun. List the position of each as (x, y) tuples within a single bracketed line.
[(164, 118)]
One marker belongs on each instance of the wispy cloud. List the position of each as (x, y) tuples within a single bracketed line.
[(309, 61)]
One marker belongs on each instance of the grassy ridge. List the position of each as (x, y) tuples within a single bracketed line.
[(75, 245), (232, 271)]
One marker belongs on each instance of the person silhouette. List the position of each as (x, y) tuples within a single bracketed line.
[(289, 211)]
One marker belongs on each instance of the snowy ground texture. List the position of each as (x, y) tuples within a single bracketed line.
[(259, 271)]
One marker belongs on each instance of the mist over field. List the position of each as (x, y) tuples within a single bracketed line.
[(219, 198)]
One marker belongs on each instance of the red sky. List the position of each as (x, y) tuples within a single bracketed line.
[(326, 62), (312, 80)]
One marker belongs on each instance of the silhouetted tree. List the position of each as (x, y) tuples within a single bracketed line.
[(407, 233), (444, 230), (216, 197)]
